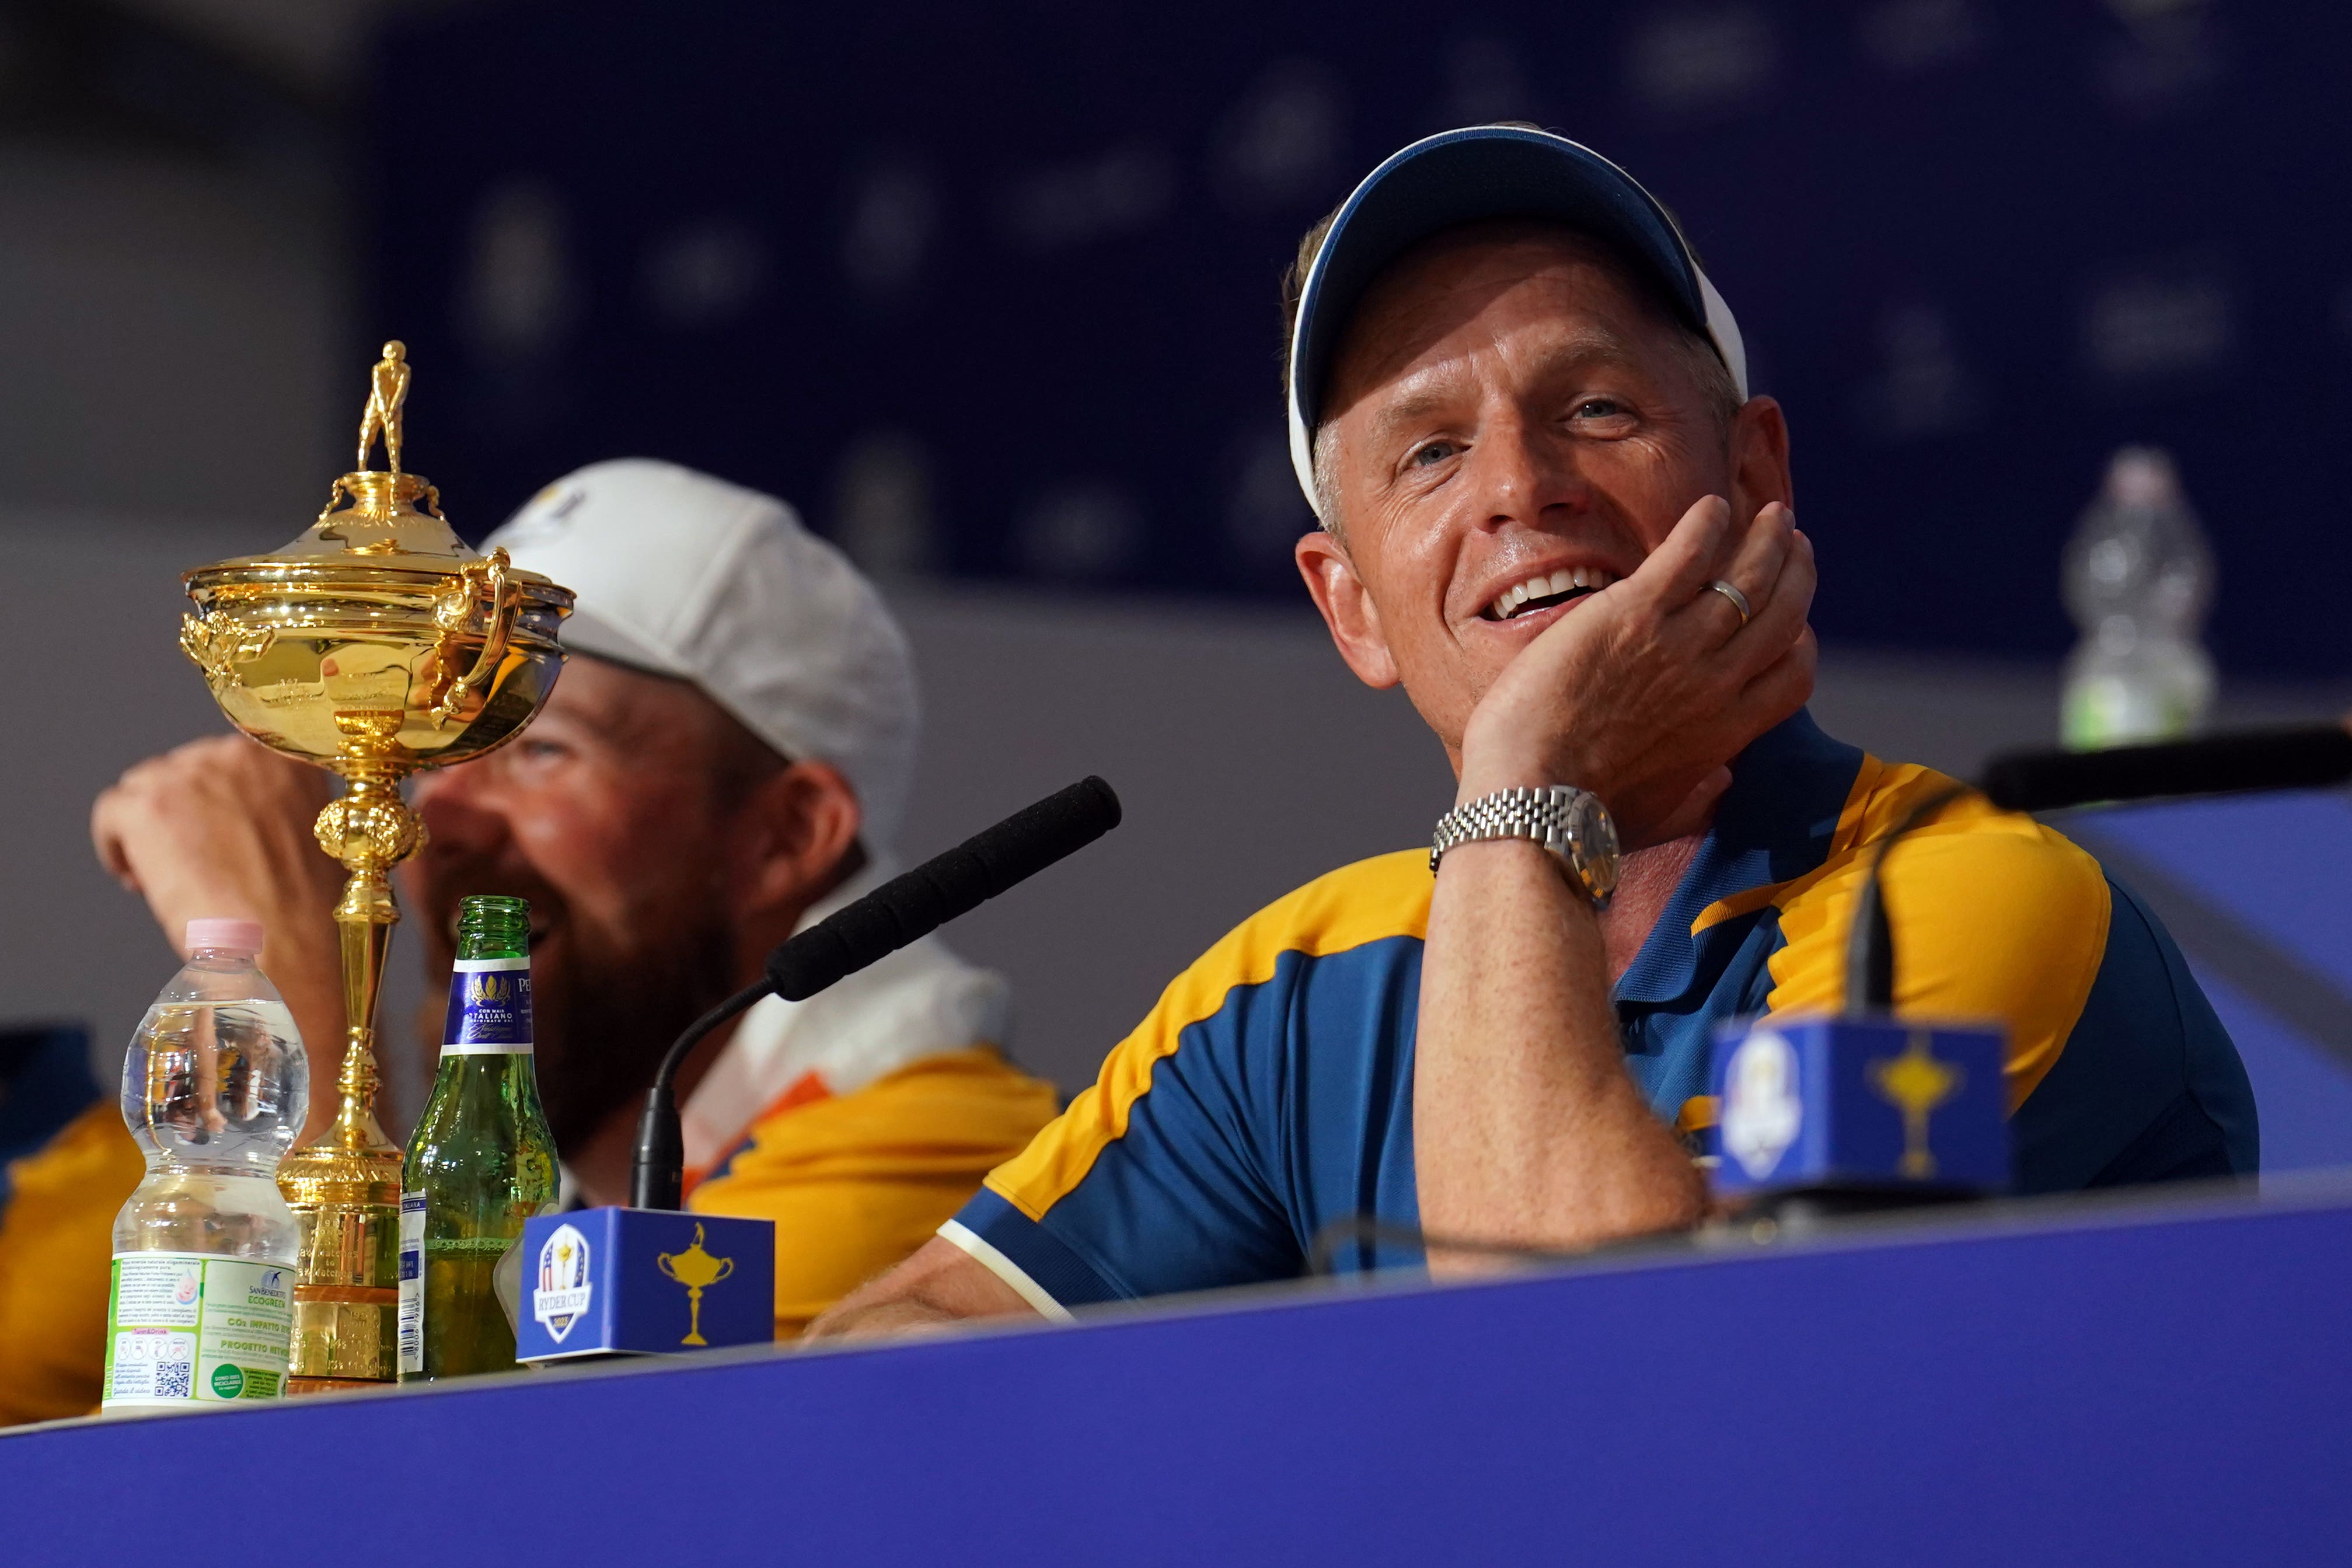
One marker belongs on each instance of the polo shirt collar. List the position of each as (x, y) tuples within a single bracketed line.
[(1774, 824)]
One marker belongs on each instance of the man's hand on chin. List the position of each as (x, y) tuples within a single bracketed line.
[(1647, 690), (1526, 1128), (222, 827)]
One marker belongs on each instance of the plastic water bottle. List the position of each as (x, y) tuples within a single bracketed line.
[(214, 1088), (2138, 581)]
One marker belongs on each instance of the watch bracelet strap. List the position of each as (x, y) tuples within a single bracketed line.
[(1538, 815)]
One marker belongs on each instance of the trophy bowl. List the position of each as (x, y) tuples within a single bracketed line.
[(376, 644), (403, 661)]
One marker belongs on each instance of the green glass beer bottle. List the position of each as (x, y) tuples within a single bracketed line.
[(482, 1161)]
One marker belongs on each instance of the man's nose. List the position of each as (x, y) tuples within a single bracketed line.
[(1525, 473)]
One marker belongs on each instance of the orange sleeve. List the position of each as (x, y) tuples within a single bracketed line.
[(57, 1260)]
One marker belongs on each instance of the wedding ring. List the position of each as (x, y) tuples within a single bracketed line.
[(1738, 600)]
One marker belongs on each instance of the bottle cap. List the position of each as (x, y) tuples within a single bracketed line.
[(2143, 477), (224, 935)]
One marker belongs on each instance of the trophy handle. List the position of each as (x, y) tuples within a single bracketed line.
[(478, 579), (726, 1266), (661, 1262), (216, 646), (336, 494)]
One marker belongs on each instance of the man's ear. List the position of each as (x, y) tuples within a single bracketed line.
[(796, 836), (1348, 607), (1759, 459)]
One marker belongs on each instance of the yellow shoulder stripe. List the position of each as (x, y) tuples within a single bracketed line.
[(1879, 799), (1995, 917), (1369, 901)]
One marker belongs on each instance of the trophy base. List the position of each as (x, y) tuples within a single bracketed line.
[(298, 1386), (347, 1286), (346, 1334)]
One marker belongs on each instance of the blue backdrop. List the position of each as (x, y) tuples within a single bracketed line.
[(992, 291)]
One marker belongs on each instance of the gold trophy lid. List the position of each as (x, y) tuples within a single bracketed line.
[(376, 522)]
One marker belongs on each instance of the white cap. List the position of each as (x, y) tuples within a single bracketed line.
[(686, 575)]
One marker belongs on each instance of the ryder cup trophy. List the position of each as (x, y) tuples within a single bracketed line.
[(376, 644)]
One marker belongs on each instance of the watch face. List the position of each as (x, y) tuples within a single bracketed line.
[(1596, 846)]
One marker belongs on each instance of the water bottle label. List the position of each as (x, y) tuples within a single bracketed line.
[(2113, 710), (411, 1332), (184, 1328), (489, 1009)]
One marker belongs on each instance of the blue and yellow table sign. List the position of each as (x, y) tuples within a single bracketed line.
[(1896, 1108), (643, 1281)]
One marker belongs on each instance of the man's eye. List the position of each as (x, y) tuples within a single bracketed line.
[(533, 750), (1598, 407), (1434, 452)]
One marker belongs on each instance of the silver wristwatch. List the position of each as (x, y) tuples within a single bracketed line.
[(1572, 824)]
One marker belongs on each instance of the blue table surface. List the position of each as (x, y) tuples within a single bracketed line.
[(2152, 1381)]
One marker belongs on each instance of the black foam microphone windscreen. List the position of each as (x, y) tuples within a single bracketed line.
[(2306, 758), (911, 907)]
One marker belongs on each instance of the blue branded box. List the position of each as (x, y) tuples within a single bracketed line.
[(1859, 1104), (643, 1281)]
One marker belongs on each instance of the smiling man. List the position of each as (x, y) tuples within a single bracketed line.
[(725, 760), (1554, 515)]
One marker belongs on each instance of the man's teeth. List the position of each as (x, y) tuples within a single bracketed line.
[(1567, 579)]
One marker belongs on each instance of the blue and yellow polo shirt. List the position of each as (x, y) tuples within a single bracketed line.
[(1270, 1091)]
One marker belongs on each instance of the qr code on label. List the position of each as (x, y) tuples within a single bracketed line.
[(174, 1379)]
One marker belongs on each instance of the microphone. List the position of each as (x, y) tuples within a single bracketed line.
[(2312, 757), (1859, 1112), (901, 911), (2307, 757), (942, 888)]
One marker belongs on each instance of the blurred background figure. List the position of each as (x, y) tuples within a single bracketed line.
[(2024, 237)]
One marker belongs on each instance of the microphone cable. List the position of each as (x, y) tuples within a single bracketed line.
[(1870, 940)]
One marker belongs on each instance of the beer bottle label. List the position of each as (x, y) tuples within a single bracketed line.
[(489, 1008), (412, 1281)]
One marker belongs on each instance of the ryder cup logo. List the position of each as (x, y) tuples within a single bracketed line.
[(1761, 1111), (561, 1299)]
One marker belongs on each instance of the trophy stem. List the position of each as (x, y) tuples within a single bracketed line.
[(364, 921), (345, 1188)]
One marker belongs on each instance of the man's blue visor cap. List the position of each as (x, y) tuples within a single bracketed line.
[(1467, 176)]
